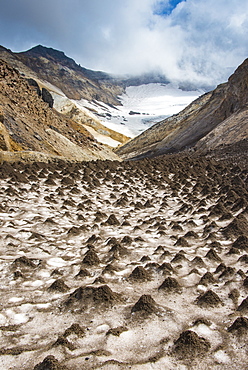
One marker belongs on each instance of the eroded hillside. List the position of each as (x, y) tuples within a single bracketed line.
[(76, 82), (30, 128), (68, 83), (218, 117)]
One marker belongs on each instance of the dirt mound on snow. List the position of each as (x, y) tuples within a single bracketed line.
[(189, 344)]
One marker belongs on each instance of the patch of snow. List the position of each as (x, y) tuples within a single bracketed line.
[(37, 283), (149, 103), (20, 318), (104, 139), (43, 305), (203, 330), (15, 299), (2, 319), (56, 262), (102, 328), (44, 274), (221, 357), (16, 318)]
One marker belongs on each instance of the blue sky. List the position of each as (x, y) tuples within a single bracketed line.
[(165, 8), (201, 41)]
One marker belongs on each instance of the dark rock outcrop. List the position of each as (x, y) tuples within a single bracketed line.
[(47, 97)]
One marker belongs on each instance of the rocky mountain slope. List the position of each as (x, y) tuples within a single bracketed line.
[(69, 82), (29, 128), (216, 118), (75, 81)]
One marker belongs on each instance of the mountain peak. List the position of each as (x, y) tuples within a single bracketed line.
[(52, 54), (44, 50), (57, 56)]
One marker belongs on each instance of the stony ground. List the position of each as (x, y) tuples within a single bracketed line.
[(109, 265)]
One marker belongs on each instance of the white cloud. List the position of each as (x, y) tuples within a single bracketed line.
[(198, 41)]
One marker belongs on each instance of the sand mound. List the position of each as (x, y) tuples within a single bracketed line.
[(244, 305), (170, 284), (241, 243), (58, 286), (209, 299), (24, 261), (189, 344), (74, 329), (207, 278), (237, 227), (139, 274), (212, 255), (145, 304), (117, 331), (83, 273), (50, 363), (91, 258), (89, 294), (112, 220), (240, 326)]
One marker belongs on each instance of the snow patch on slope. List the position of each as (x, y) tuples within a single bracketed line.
[(142, 106)]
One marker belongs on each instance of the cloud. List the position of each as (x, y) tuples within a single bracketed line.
[(200, 41)]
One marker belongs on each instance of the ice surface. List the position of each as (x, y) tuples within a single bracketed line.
[(153, 103)]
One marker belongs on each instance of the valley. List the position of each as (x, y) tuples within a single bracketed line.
[(124, 243)]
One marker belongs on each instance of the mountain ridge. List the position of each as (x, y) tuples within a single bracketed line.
[(75, 82), (60, 56)]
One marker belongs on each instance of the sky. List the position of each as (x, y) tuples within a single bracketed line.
[(197, 41)]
